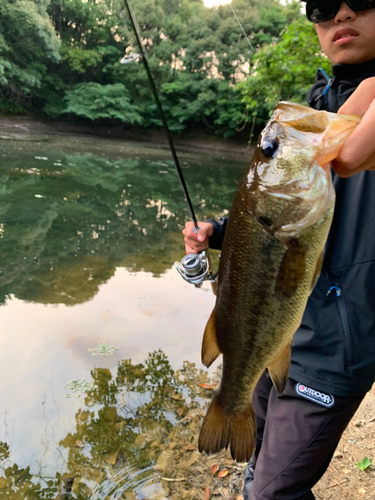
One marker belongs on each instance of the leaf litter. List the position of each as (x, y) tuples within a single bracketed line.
[(186, 473), (178, 470), (172, 466)]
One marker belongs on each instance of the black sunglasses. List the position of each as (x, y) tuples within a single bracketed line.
[(319, 11)]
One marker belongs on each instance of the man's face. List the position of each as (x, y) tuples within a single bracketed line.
[(349, 37)]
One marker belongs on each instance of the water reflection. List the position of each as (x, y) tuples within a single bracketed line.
[(134, 437), (89, 232), (131, 482), (68, 220)]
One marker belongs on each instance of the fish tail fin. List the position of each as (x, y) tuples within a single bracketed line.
[(221, 429), (279, 369), (242, 435)]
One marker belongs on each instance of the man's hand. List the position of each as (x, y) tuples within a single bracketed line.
[(197, 242), (358, 151)]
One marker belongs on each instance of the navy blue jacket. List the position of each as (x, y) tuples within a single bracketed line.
[(334, 348)]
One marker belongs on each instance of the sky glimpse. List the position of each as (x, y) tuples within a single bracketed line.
[(211, 3)]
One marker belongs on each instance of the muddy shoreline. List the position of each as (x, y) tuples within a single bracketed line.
[(216, 145)]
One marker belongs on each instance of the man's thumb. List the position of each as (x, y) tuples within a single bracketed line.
[(202, 235)]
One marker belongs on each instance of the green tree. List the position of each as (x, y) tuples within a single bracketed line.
[(27, 42), (91, 36), (216, 55), (196, 56), (97, 102), (283, 71)]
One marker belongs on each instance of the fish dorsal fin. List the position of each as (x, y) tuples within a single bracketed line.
[(210, 348), (292, 270), (279, 369)]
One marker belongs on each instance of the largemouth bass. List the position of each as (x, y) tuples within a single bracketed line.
[(271, 259)]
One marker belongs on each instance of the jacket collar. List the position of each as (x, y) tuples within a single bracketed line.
[(330, 93), (353, 72)]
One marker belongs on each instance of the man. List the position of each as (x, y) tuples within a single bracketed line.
[(333, 357)]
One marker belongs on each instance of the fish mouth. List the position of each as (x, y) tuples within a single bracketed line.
[(344, 32)]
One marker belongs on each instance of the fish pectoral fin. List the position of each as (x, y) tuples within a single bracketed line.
[(210, 348), (292, 270), (279, 369), (221, 429)]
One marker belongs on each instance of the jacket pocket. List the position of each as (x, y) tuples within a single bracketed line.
[(337, 292)]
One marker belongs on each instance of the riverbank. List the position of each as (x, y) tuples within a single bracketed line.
[(209, 143)]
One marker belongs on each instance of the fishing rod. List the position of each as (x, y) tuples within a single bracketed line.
[(193, 268), (252, 49)]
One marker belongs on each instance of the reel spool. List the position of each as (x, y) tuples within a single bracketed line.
[(196, 268)]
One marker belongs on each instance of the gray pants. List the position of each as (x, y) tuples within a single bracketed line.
[(296, 438)]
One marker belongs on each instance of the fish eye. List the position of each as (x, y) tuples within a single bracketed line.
[(269, 147)]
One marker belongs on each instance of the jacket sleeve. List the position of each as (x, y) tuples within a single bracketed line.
[(217, 238)]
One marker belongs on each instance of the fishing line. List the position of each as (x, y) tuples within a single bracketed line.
[(161, 113), (253, 50)]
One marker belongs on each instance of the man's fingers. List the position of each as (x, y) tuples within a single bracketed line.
[(189, 249), (358, 152), (360, 145), (194, 248), (345, 172), (361, 99), (196, 242)]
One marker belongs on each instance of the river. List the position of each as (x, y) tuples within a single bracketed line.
[(100, 336)]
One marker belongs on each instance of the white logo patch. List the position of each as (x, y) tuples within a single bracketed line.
[(318, 397)]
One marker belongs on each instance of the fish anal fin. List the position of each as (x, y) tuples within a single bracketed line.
[(318, 270), (292, 270), (279, 369), (210, 348), (221, 429)]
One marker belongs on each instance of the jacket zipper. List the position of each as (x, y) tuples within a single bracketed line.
[(344, 320)]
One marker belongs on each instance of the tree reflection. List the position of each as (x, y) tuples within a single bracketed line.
[(66, 225), (141, 402), (144, 415), (17, 482)]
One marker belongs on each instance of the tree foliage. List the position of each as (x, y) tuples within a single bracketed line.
[(27, 42), (94, 101), (198, 56), (283, 71)]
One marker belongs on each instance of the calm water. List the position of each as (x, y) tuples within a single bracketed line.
[(90, 230)]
